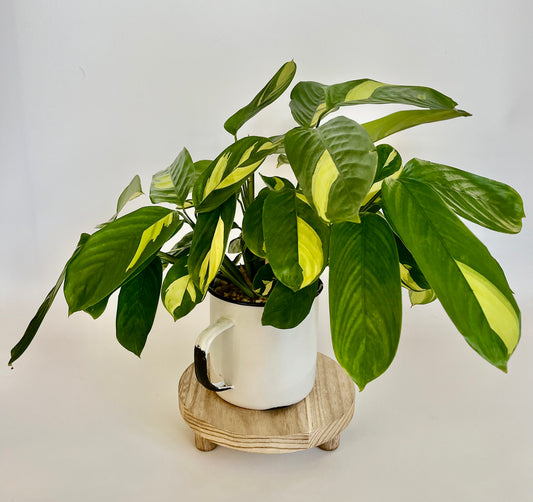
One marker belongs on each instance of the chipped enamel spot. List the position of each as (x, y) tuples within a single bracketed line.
[(217, 174), (363, 90), (498, 311), (310, 256), (150, 234), (323, 178)]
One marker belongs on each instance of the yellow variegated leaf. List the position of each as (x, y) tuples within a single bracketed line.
[(499, 312), (213, 258), (229, 171), (310, 255), (150, 235), (422, 297)]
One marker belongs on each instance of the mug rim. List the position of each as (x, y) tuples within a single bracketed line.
[(251, 304)]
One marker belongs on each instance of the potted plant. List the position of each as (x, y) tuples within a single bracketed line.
[(355, 207)]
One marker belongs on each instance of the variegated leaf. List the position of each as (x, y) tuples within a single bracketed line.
[(264, 280), (389, 165), (179, 294), (296, 240), (272, 91), (162, 188), (224, 177), (486, 202), (335, 165), (115, 253), (468, 281), (399, 121), (209, 243), (311, 101), (277, 182)]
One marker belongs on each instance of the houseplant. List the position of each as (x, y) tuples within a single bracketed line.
[(377, 223)]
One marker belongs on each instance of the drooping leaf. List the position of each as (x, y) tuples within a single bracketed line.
[(486, 202), (399, 121), (224, 177), (137, 306), (179, 294), (115, 253), (252, 225), (37, 320), (468, 281), (162, 188), (296, 240), (95, 311), (410, 273), (364, 297), (272, 91), (285, 308), (335, 165), (209, 243), (311, 101)]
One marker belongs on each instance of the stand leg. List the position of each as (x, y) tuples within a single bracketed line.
[(332, 444), (202, 443)]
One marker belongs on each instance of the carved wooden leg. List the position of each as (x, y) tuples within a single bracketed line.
[(332, 444), (202, 443)]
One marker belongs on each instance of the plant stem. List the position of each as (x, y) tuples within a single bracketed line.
[(167, 257), (232, 272), (369, 204)]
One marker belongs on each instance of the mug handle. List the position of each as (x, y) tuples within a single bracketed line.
[(201, 350)]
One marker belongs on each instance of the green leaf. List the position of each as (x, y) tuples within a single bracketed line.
[(410, 273), (182, 175), (296, 240), (467, 280), (95, 311), (132, 191), (422, 297), (115, 253), (37, 320), (276, 182), (398, 121), (209, 243), (162, 188), (179, 294), (264, 280), (311, 101), (226, 174), (308, 103), (335, 165), (252, 225), (285, 308), (486, 202), (389, 161), (137, 306), (364, 297), (272, 91)]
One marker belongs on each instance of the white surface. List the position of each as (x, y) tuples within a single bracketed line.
[(92, 93)]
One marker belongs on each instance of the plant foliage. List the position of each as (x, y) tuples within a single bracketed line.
[(340, 201)]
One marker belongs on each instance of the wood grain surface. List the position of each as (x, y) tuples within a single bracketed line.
[(317, 420)]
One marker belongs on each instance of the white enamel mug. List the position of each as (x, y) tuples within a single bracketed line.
[(255, 366)]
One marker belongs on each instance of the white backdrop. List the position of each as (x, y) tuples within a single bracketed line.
[(92, 93)]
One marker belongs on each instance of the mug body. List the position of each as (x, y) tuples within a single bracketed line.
[(266, 367)]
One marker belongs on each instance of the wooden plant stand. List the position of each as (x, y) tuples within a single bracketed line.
[(317, 420)]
